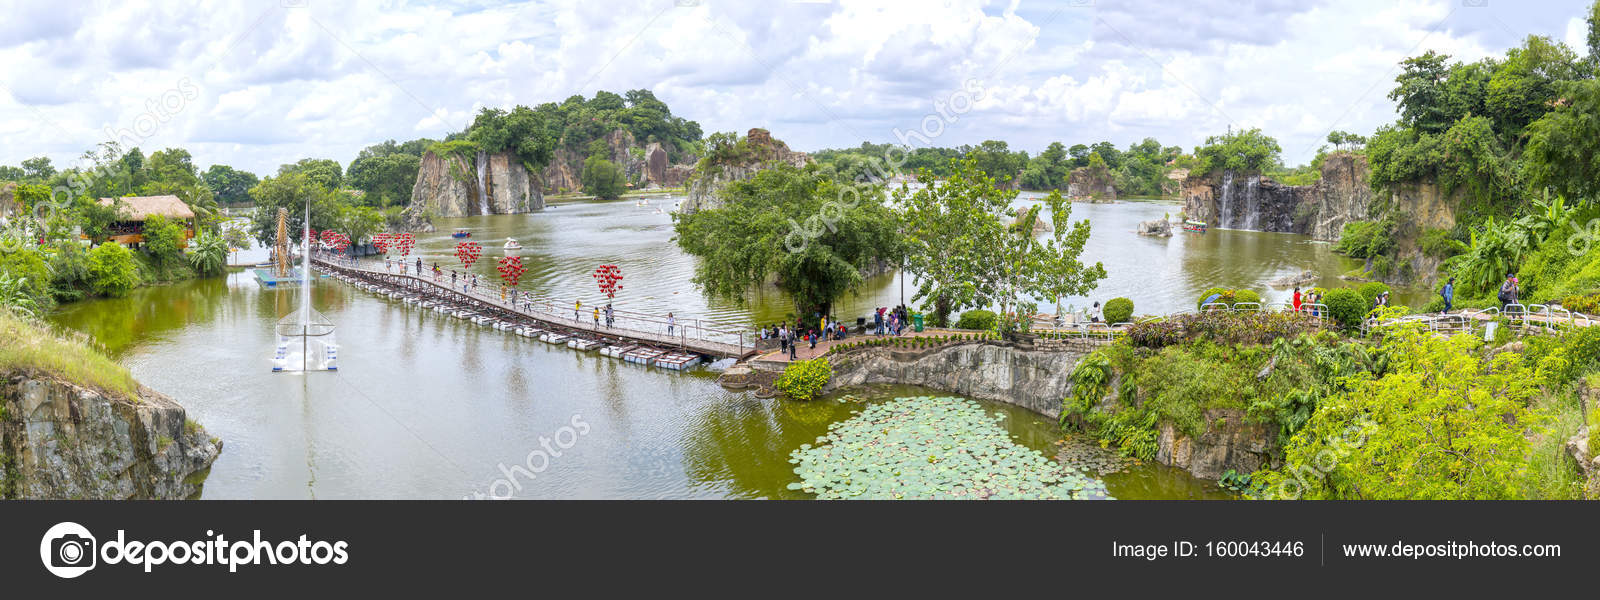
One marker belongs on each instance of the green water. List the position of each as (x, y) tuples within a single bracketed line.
[(425, 406)]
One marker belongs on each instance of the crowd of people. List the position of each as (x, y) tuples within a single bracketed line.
[(790, 336)]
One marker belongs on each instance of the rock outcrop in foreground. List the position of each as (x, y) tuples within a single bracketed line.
[(63, 441)]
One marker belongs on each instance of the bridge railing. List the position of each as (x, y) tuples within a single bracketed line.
[(674, 330)]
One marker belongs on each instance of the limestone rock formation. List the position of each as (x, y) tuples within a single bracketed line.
[(706, 184), (1155, 227), (644, 167), (1085, 182), (1035, 379), (1240, 201), (1243, 201), (1230, 441), (62, 441), (457, 185)]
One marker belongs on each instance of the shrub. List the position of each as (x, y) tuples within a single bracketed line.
[(69, 268), (1155, 334), (1225, 296), (1369, 291), (802, 380), (1118, 310), (112, 268), (1365, 239), (978, 319), (1588, 305), (1246, 296), (1438, 244), (28, 271), (1346, 306)]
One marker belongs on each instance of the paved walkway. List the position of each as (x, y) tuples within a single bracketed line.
[(806, 352)]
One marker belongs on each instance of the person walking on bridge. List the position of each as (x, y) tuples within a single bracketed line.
[(671, 323), (576, 306), (596, 317), (611, 316), (1448, 293)]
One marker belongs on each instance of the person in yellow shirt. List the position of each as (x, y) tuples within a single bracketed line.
[(576, 306)]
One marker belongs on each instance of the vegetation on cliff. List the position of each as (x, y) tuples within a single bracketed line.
[(33, 347), (1404, 414)]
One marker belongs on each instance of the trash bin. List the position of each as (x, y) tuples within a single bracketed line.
[(916, 321)]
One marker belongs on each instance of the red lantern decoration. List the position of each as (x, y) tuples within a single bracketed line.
[(608, 277), (404, 242), (468, 252), (329, 236), (381, 242), (337, 241), (511, 269)]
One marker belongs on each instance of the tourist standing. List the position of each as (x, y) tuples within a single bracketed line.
[(1508, 291), (596, 317), (783, 340), (671, 322), (1448, 293), (877, 321), (793, 343), (811, 336), (1296, 301), (576, 306), (611, 316)]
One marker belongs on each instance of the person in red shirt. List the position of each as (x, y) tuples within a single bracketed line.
[(1297, 298)]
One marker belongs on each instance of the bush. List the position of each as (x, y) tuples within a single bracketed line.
[(112, 268), (1155, 334), (1225, 297), (1369, 291), (1346, 306), (1588, 305), (1118, 310), (1365, 239), (163, 239), (1438, 244), (28, 267), (69, 267), (802, 380), (978, 319), (1246, 296)]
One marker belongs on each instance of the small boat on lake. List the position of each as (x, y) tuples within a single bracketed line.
[(461, 234), (511, 244), (1195, 226)]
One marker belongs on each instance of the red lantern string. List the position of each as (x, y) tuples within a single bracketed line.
[(381, 242), (404, 242), (468, 252), (608, 276), (511, 269)]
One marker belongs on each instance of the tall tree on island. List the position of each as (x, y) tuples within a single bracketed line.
[(810, 234), (966, 250)]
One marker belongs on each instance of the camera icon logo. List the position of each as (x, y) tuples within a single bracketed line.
[(67, 550)]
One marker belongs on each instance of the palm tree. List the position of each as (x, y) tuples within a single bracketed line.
[(14, 295), (209, 255)]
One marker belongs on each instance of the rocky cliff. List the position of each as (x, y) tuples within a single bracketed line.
[(62, 441), (460, 185), (1035, 379), (647, 167), (1247, 201), (1085, 182), (762, 152)]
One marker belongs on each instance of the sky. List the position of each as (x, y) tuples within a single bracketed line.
[(259, 83)]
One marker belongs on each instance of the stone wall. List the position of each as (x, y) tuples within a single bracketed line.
[(62, 441), (1036, 379)]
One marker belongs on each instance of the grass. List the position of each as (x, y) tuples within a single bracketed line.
[(33, 347), (1552, 474)]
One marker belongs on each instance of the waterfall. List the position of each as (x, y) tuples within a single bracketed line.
[(1252, 204), (1225, 211), (483, 183)]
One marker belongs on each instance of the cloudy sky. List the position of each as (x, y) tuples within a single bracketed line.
[(258, 83)]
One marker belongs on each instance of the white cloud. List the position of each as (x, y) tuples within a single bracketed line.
[(277, 84)]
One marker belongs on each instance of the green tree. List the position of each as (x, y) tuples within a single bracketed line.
[(229, 185), (210, 254), (997, 160), (291, 191), (1563, 149), (321, 171), (1244, 151), (1443, 423), (966, 251), (113, 270), (38, 168), (601, 178), (163, 239), (1420, 92), (796, 227)]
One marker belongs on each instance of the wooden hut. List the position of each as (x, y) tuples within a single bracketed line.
[(128, 229)]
